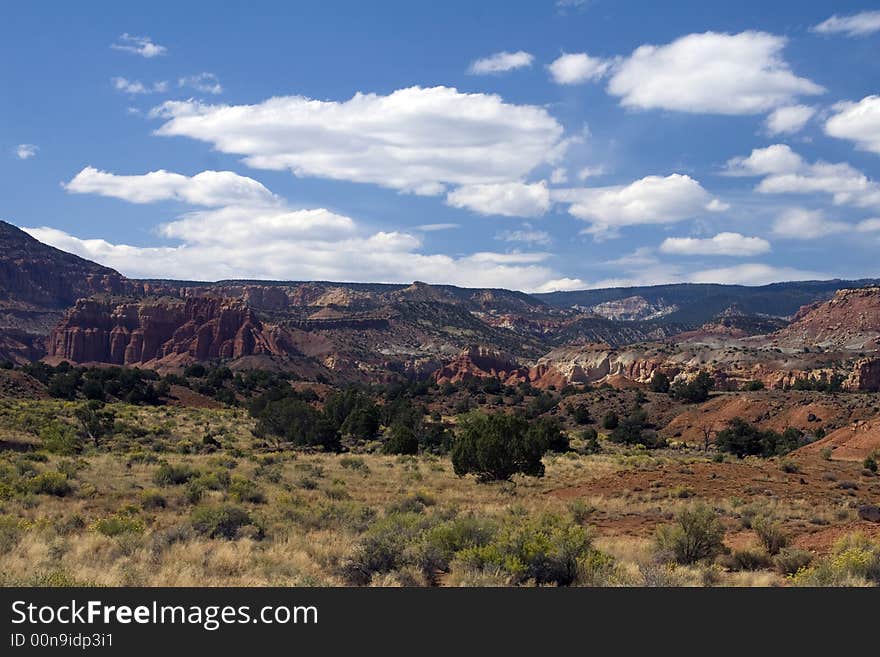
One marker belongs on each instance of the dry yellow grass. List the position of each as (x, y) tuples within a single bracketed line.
[(316, 508)]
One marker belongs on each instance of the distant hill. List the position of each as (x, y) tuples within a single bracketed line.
[(57, 305), (37, 284), (697, 303)]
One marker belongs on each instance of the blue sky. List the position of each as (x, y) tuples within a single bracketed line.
[(531, 145)]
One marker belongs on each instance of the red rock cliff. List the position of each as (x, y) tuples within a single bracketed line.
[(135, 332)]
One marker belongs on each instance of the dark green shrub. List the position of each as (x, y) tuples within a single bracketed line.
[(581, 414), (352, 413), (95, 421), (193, 492), (60, 438), (196, 371), (590, 438), (412, 503), (694, 391), (244, 490), (220, 521), (441, 542), (659, 382), (697, 535), (496, 447), (49, 483), (634, 430), (435, 438), (355, 463), (610, 420), (383, 547), (771, 534), (214, 480), (548, 430), (118, 524), (744, 439), (294, 421), (748, 559), (400, 439), (153, 499), (174, 475), (790, 560), (543, 550)]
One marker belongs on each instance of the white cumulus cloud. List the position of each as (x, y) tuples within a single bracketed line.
[(711, 73), (775, 159), (381, 257), (207, 83), (501, 62), (561, 285), (137, 87), (432, 228), (789, 119), (723, 244), (513, 199), (650, 200), (208, 188), (527, 235), (753, 273), (869, 225), (854, 25), (858, 122), (239, 229), (416, 139), (25, 151), (786, 172), (802, 224), (139, 45), (576, 68)]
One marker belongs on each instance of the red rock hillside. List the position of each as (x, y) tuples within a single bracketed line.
[(136, 332), (33, 273), (849, 320)]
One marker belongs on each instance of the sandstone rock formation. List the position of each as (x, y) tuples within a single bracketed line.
[(131, 332), (482, 361), (850, 320)]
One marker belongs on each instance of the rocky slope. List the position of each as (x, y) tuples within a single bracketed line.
[(68, 308), (849, 320), (837, 338), (161, 331), (37, 284), (696, 304), (482, 361)]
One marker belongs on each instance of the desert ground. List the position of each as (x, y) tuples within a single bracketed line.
[(185, 494)]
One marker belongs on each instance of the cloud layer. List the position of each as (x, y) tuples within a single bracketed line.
[(650, 200), (506, 199), (207, 83), (576, 68), (501, 62), (711, 72), (786, 172), (854, 25), (208, 188), (239, 229), (789, 120), (858, 122), (723, 244), (416, 139), (139, 45), (26, 151)]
